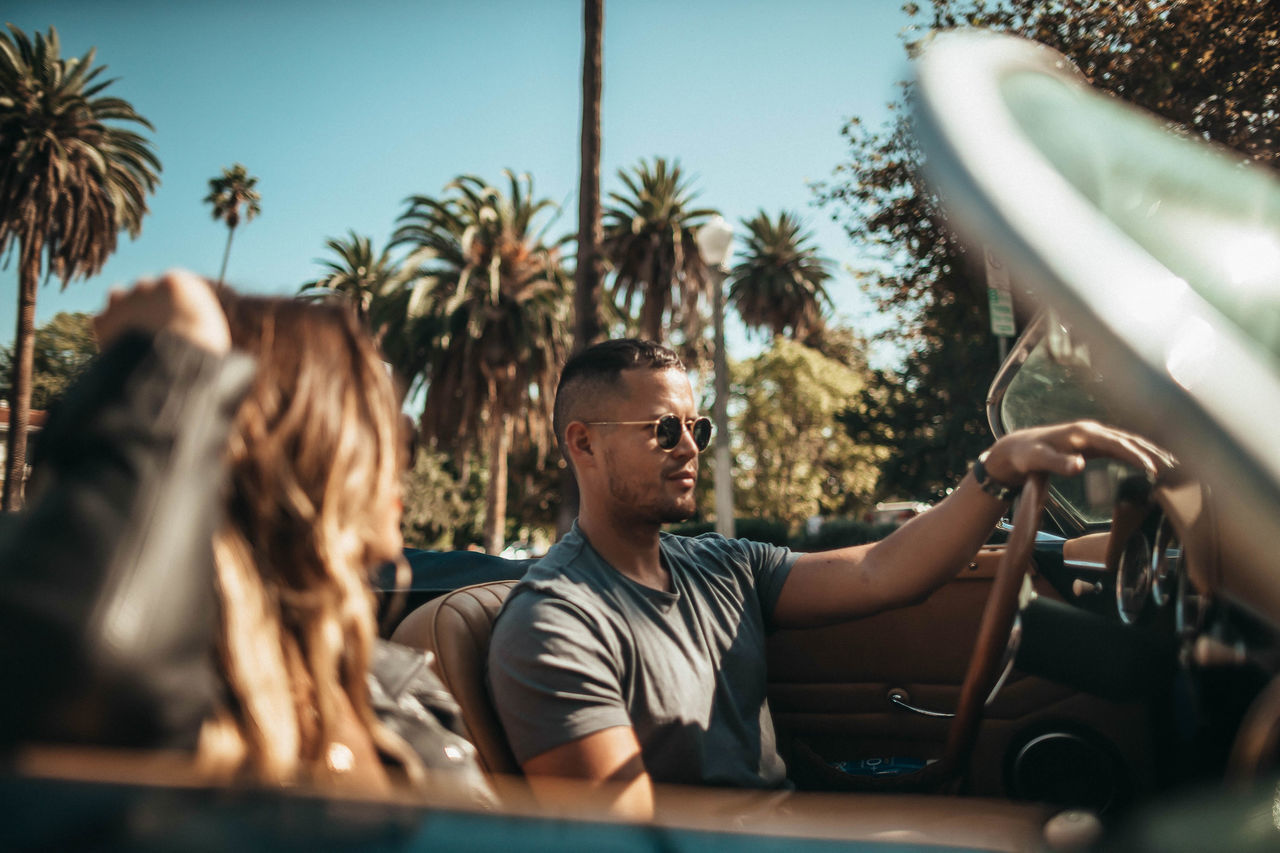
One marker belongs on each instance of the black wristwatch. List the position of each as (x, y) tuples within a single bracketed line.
[(998, 490)]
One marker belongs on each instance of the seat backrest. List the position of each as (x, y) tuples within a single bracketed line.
[(456, 627)]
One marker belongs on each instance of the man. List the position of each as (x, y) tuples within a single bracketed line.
[(629, 656)]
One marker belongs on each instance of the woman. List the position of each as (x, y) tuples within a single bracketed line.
[(314, 504), (109, 574)]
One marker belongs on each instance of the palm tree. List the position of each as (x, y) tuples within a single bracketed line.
[(228, 193), (383, 292), (649, 239), (779, 283), (589, 266), (492, 319), (589, 269), (69, 183), (356, 273)]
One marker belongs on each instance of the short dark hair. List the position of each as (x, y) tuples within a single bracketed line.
[(596, 371)]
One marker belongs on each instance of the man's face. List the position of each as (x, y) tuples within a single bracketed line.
[(643, 480)]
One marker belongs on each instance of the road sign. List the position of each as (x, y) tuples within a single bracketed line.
[(999, 297)]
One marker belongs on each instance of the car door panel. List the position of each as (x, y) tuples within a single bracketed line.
[(829, 693)]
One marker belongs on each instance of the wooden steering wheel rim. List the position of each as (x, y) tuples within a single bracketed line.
[(993, 632)]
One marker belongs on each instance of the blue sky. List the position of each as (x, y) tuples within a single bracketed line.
[(343, 109)]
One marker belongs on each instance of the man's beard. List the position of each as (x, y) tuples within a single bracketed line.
[(661, 511), (674, 514)]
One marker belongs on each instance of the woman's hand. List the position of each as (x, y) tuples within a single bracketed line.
[(179, 302)]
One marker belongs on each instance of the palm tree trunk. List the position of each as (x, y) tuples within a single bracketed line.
[(226, 253), (657, 295), (651, 312), (24, 346), (586, 294), (495, 516), (590, 271)]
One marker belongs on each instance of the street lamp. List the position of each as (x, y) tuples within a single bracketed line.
[(713, 244)]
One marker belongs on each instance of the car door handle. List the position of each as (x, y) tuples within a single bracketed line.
[(899, 697)]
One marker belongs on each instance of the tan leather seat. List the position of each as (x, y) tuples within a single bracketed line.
[(457, 627)]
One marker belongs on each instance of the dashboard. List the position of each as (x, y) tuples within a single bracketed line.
[(1155, 618)]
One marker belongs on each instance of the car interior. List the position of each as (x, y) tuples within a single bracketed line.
[(1102, 674)]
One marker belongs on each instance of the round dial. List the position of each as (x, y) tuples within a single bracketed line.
[(1133, 578)]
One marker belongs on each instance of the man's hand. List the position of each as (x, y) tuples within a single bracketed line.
[(179, 302), (927, 551), (1064, 448)]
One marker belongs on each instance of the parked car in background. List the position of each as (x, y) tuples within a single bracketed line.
[(1123, 692), (519, 550), (895, 512)]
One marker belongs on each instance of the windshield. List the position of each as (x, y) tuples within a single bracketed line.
[(1057, 383), (1219, 232)]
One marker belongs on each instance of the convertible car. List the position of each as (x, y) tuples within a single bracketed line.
[(1108, 687)]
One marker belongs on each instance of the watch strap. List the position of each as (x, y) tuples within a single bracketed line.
[(998, 490)]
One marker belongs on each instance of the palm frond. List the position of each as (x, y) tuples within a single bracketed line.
[(648, 243), (493, 324), (779, 283)]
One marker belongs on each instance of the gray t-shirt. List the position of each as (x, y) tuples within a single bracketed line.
[(580, 647)]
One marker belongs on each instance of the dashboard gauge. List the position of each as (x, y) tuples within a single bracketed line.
[(1133, 578), (1166, 560)]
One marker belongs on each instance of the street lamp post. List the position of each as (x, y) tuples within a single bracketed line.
[(713, 244)]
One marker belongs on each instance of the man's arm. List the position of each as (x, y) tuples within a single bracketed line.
[(926, 552), (608, 761), (557, 691)]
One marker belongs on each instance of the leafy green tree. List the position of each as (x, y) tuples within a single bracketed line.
[(649, 240), (1209, 67), (794, 460), (441, 511), (230, 193), (490, 316), (931, 412), (779, 283), (534, 495), (71, 178), (358, 273), (842, 344), (444, 505), (64, 346)]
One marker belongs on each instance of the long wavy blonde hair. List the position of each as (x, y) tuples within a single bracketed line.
[(315, 459)]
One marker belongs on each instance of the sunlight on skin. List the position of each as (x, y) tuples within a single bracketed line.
[(608, 761)]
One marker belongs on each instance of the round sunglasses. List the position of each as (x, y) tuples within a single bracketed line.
[(669, 429)]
